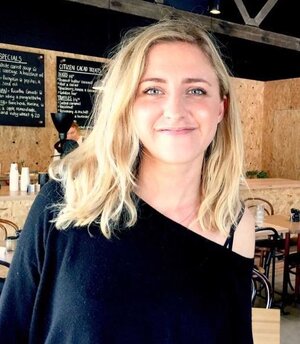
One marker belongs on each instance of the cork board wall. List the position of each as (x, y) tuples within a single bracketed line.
[(280, 144), (270, 114), (250, 95), (286, 143)]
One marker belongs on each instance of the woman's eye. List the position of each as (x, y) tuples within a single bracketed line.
[(197, 91), (152, 91)]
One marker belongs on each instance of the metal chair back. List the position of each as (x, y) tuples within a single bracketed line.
[(261, 287), (252, 202)]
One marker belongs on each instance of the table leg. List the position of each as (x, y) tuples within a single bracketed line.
[(297, 281), (285, 270)]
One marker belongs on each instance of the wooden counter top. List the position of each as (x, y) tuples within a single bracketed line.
[(6, 195), (271, 183), (14, 206)]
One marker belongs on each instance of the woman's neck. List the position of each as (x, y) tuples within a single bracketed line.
[(170, 189)]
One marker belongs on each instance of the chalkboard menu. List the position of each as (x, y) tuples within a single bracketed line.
[(22, 94), (75, 81)]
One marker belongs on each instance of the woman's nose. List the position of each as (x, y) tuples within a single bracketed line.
[(174, 108)]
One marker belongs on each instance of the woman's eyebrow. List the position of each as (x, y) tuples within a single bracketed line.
[(154, 79), (185, 81), (192, 80)]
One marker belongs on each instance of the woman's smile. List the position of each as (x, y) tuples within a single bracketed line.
[(176, 131)]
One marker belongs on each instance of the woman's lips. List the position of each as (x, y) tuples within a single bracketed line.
[(176, 131)]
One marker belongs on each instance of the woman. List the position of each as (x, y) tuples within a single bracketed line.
[(74, 139), (141, 236)]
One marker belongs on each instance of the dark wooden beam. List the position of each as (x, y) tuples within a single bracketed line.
[(158, 11)]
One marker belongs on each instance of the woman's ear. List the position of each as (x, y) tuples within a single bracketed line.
[(223, 108)]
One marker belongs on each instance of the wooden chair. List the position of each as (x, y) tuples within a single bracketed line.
[(268, 249), (261, 287), (10, 226), (293, 268), (293, 262), (252, 202), (3, 232), (266, 325)]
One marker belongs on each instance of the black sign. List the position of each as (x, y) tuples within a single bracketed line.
[(22, 94), (75, 93)]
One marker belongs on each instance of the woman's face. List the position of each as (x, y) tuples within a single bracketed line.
[(73, 134), (178, 105)]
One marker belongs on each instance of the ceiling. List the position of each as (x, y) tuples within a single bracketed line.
[(90, 30), (282, 18), (249, 59)]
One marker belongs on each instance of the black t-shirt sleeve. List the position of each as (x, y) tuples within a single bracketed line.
[(20, 288)]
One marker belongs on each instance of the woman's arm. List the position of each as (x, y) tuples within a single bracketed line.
[(244, 237)]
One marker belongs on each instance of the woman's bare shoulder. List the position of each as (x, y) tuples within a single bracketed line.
[(244, 238)]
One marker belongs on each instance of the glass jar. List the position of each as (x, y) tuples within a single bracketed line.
[(260, 215)]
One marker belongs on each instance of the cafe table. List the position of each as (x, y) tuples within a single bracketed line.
[(284, 226)]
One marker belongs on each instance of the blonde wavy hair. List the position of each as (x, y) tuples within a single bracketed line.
[(99, 178)]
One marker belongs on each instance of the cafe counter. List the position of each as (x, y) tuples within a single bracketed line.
[(283, 194), (15, 205)]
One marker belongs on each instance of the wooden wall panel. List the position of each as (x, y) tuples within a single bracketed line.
[(294, 93), (280, 147), (285, 144), (250, 98)]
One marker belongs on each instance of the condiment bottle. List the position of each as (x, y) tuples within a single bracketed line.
[(14, 177)]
